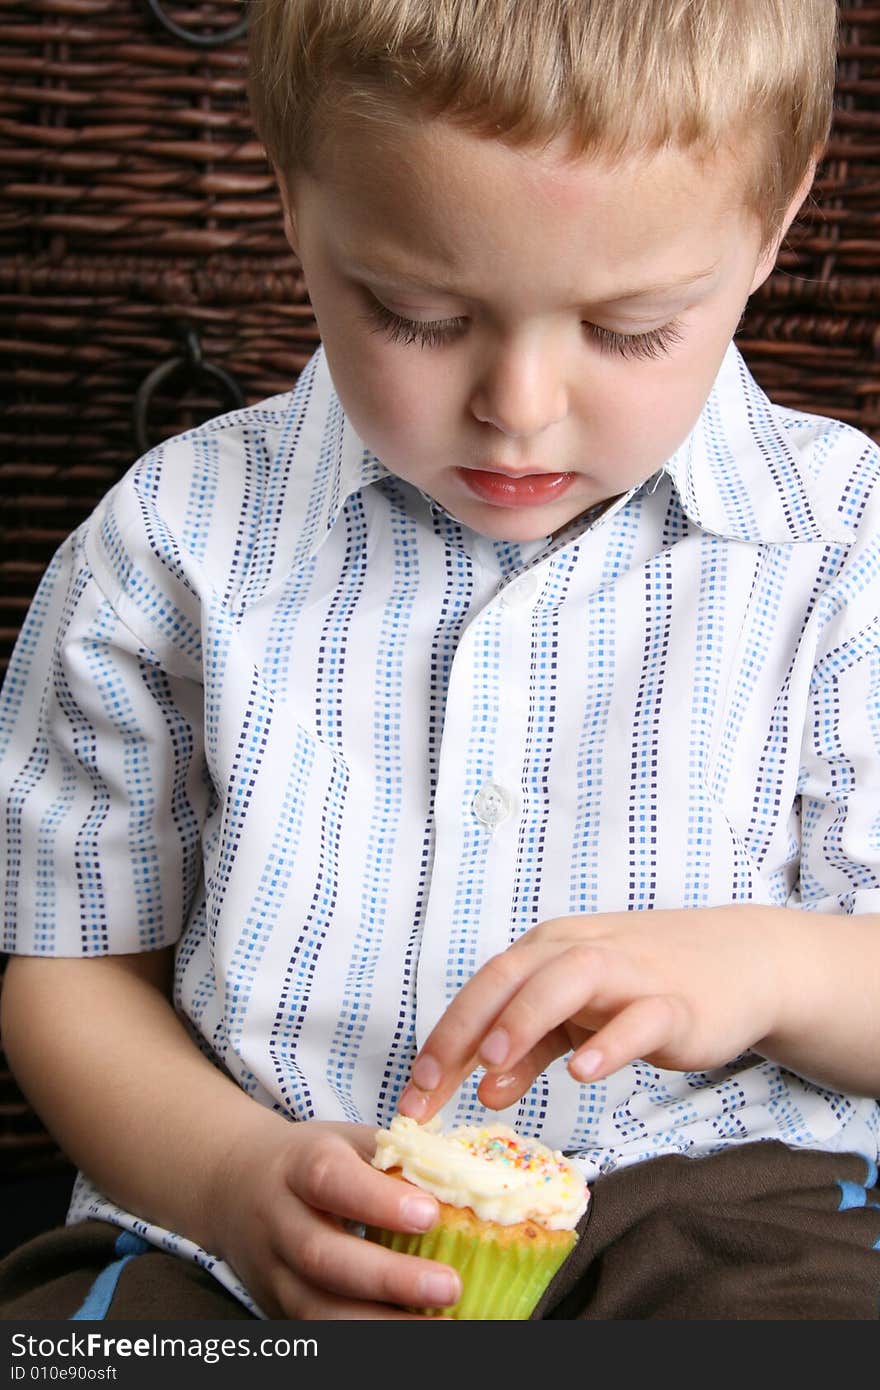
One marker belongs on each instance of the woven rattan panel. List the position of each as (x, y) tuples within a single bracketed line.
[(139, 224)]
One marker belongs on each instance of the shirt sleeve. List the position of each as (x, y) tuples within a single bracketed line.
[(839, 783), (103, 786)]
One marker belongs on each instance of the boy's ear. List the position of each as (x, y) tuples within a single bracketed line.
[(290, 229), (768, 256), (289, 211)]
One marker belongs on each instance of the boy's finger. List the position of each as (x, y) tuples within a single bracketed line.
[(355, 1268), (450, 1052), (497, 1090), (363, 1194), (546, 987), (320, 1307), (647, 1025), (565, 985)]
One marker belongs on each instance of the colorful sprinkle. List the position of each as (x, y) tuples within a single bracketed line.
[(513, 1154)]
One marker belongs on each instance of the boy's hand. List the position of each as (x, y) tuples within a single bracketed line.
[(282, 1199), (688, 989)]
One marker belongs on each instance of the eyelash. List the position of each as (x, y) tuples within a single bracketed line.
[(400, 330), (437, 332), (643, 346)]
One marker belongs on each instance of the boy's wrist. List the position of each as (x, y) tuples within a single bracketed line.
[(787, 967), (253, 1135), (826, 981)]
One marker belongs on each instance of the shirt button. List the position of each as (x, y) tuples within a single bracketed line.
[(492, 804), (520, 591)]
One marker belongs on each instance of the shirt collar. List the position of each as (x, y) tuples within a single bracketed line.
[(321, 457), (744, 475), (739, 474)]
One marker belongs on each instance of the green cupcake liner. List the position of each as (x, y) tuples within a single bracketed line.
[(501, 1282)]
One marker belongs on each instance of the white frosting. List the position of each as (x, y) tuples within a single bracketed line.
[(502, 1176)]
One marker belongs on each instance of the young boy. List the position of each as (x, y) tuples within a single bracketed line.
[(494, 721)]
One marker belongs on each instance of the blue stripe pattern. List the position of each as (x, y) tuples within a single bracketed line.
[(275, 707)]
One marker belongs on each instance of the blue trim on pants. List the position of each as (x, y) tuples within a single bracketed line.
[(99, 1297)]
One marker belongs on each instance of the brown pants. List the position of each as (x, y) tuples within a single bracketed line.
[(757, 1232)]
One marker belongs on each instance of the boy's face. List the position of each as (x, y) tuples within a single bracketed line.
[(519, 336)]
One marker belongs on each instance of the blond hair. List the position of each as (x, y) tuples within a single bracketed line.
[(613, 77)]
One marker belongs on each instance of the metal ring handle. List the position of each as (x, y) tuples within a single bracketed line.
[(198, 40), (150, 384)]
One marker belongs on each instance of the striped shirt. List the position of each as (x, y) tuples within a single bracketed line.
[(275, 706)]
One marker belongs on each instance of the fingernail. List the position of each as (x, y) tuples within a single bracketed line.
[(586, 1063), (426, 1073), (437, 1290), (495, 1048), (413, 1103), (420, 1213)]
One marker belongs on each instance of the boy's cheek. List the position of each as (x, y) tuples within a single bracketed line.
[(389, 412), (395, 390), (639, 405), (675, 394)]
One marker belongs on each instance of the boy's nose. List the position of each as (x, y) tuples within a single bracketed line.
[(520, 395)]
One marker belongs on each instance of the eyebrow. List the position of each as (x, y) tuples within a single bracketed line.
[(662, 286), (389, 272)]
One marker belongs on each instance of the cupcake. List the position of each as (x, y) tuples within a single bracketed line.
[(508, 1209)]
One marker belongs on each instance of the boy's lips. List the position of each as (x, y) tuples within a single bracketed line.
[(515, 490)]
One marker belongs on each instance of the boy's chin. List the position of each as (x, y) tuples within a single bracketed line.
[(517, 525), (510, 527)]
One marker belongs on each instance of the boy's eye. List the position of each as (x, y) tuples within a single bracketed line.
[(649, 345), (435, 332), (432, 333)]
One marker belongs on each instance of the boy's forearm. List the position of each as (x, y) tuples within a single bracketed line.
[(828, 1028), (96, 1047)]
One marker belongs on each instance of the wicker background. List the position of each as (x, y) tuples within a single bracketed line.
[(139, 225)]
